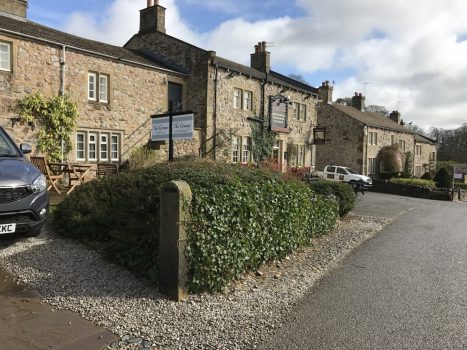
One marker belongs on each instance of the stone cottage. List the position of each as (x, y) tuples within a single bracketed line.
[(354, 137), (228, 97), (116, 89), (425, 155)]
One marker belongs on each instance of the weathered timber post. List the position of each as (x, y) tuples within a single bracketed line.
[(175, 198)]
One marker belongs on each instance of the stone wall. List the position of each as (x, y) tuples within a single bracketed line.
[(345, 140), (232, 121), (210, 94), (384, 138), (135, 94), (190, 58), (14, 7)]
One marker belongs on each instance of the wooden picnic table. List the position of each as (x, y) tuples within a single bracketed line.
[(77, 173)]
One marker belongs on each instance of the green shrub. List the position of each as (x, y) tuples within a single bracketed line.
[(343, 192), (443, 179), (141, 157), (460, 185), (427, 176), (240, 218), (413, 182)]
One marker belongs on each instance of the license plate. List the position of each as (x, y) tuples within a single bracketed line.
[(7, 228)]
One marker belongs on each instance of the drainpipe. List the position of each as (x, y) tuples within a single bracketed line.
[(263, 97), (62, 71), (62, 86), (365, 145), (214, 116)]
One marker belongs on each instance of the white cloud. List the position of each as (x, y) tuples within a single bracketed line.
[(415, 56)]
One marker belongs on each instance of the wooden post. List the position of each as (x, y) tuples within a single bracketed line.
[(175, 199)]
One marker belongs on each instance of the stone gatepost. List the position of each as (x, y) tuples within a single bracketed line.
[(175, 198)]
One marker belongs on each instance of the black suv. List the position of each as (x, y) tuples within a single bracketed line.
[(24, 199)]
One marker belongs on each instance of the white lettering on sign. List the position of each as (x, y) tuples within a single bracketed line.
[(182, 128)]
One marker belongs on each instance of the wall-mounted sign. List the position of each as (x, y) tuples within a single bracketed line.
[(182, 127), (319, 136), (278, 107)]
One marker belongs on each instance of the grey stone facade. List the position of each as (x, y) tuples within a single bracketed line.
[(210, 94), (56, 63), (354, 139)]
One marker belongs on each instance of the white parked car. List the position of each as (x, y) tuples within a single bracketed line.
[(344, 174)]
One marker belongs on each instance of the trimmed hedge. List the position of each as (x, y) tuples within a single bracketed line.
[(343, 192), (414, 182), (240, 218)]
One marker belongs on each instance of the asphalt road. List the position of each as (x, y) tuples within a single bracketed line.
[(404, 289)]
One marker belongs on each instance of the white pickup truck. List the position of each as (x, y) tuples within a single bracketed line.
[(343, 174)]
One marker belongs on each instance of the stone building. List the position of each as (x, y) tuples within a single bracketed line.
[(354, 137), (116, 89), (425, 155), (228, 97)]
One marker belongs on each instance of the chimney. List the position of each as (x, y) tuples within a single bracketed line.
[(152, 18), (325, 92), (358, 101), (14, 7), (395, 116), (261, 59)]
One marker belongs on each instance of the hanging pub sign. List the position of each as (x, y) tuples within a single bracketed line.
[(182, 126), (319, 135), (278, 106)]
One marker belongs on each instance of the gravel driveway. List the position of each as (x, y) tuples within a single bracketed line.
[(70, 276)]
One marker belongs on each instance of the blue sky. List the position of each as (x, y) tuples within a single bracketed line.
[(410, 56)]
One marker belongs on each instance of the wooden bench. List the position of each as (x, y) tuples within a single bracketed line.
[(104, 169)]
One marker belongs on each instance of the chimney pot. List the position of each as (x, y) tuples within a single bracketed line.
[(150, 3), (260, 60)]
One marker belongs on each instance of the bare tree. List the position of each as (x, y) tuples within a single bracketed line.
[(298, 77), (452, 144), (377, 109)]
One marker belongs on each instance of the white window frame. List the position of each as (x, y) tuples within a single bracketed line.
[(302, 112), (80, 146), (237, 98), (103, 147), (103, 88), (106, 144), (418, 150), (92, 86), (112, 144), (95, 143), (402, 144), (236, 143), (372, 138), (5, 57), (247, 100), (296, 110), (246, 153), (301, 155)]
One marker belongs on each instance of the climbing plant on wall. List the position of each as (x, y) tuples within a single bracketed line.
[(262, 140), (56, 119)]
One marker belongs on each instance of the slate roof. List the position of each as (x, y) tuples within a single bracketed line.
[(424, 139), (36, 31), (273, 77), (372, 119)]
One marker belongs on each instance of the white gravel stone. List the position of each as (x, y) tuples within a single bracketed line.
[(70, 276)]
